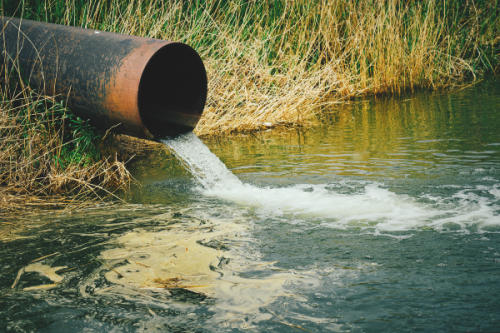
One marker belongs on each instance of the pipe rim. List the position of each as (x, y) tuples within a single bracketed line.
[(172, 91)]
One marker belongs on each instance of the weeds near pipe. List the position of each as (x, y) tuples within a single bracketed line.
[(49, 158)]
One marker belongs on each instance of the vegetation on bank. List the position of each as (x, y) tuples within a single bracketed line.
[(276, 62), (45, 150)]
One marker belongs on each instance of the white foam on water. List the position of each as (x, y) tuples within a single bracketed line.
[(495, 191), (372, 208)]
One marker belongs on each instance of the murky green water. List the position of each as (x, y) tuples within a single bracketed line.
[(383, 217)]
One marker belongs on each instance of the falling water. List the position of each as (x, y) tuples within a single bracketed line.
[(206, 168)]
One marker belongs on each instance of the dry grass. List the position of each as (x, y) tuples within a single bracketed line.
[(47, 164), (277, 62), (332, 51)]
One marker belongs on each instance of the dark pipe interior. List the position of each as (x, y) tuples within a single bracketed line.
[(172, 91)]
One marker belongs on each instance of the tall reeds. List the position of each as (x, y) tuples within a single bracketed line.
[(277, 61)]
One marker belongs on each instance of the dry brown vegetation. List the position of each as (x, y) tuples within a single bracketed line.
[(277, 62), (42, 158), (316, 53)]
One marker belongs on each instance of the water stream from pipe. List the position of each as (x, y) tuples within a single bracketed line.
[(205, 166), (370, 205)]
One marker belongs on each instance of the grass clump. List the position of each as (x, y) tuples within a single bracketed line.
[(46, 151)]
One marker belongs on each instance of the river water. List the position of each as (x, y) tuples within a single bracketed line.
[(384, 216)]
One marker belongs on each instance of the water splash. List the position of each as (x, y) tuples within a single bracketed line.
[(371, 207)]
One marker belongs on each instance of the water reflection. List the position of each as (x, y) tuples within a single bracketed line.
[(394, 137)]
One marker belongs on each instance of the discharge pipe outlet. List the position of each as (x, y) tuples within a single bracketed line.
[(143, 87)]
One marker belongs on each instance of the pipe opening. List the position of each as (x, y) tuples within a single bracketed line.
[(172, 91)]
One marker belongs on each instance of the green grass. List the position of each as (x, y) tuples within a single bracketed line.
[(46, 151)]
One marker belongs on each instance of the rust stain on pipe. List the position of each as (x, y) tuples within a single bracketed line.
[(152, 88)]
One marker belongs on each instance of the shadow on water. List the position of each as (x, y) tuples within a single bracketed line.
[(384, 216)]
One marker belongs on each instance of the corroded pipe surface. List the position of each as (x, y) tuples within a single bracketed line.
[(151, 88)]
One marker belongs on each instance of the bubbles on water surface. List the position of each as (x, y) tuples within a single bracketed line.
[(312, 257)]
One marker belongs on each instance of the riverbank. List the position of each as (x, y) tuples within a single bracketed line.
[(269, 64)]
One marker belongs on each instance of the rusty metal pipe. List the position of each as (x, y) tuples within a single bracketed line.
[(151, 88)]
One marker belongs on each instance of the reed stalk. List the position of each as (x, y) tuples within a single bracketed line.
[(45, 151)]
